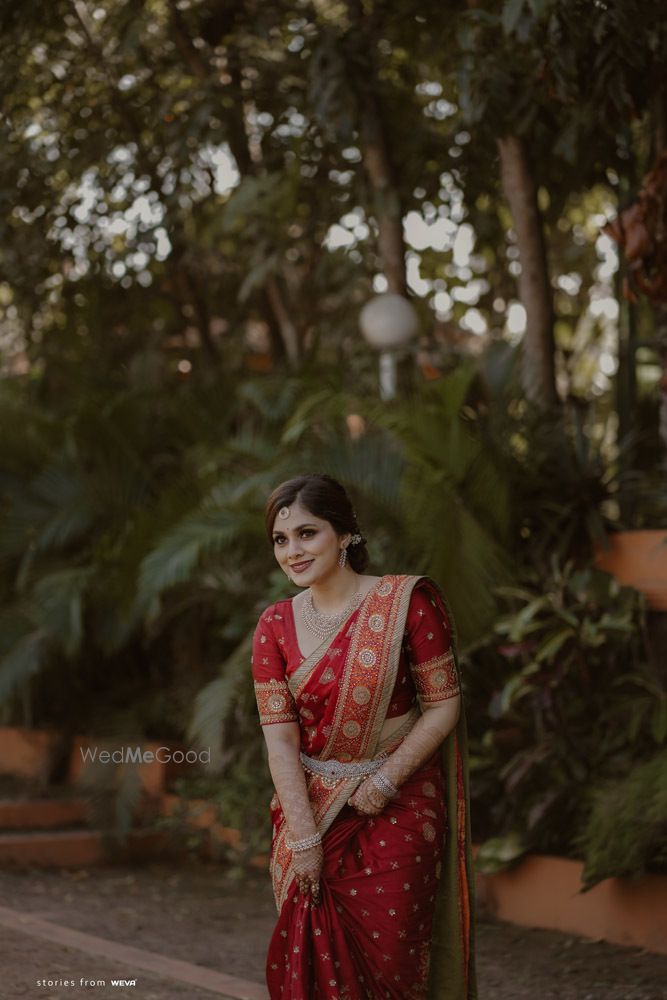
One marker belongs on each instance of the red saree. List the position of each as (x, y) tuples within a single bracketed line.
[(395, 916)]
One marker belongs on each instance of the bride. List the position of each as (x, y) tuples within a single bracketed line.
[(358, 691)]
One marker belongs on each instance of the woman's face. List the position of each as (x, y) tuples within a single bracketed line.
[(306, 547)]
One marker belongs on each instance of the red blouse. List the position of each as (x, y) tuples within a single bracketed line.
[(426, 665)]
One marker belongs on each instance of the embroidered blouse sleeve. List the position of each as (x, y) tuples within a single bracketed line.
[(429, 647), (274, 698)]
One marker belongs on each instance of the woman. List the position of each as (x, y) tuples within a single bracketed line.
[(370, 857)]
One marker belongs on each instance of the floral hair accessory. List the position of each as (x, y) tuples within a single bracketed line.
[(283, 512)]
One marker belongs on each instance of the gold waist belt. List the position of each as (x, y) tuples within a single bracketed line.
[(337, 770)]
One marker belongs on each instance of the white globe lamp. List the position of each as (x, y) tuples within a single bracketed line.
[(388, 322)]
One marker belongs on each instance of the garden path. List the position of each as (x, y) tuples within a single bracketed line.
[(196, 932)]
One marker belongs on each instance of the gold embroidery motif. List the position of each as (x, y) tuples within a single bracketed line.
[(361, 695), (436, 679), (367, 658), (274, 702)]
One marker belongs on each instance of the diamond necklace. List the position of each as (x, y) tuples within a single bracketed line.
[(324, 626)]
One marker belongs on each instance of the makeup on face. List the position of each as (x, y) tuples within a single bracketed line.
[(302, 548)]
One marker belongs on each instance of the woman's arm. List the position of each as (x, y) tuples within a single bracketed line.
[(431, 657), (279, 718), (283, 741), (434, 725)]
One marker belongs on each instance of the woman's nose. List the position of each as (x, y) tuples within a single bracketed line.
[(293, 548)]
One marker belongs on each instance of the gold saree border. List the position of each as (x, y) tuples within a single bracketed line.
[(361, 709), (301, 675)]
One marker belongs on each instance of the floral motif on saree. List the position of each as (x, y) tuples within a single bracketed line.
[(437, 680), (274, 702)]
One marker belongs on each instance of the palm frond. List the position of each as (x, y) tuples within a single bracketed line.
[(58, 599), (22, 662), (217, 701), (178, 554)]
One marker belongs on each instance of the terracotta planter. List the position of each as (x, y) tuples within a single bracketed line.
[(543, 891), (638, 559), (28, 753), (199, 814)]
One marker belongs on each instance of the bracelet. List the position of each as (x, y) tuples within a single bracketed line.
[(384, 785), (306, 843)]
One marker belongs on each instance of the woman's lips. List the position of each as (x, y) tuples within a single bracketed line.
[(299, 567)]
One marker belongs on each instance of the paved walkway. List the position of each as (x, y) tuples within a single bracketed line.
[(133, 959), (199, 932)]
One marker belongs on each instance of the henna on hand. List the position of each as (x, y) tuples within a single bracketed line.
[(368, 800)]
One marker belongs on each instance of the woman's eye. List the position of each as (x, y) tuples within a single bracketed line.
[(279, 539)]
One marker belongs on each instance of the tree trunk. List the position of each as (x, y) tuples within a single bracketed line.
[(271, 301), (538, 373), (288, 330), (376, 158), (387, 205)]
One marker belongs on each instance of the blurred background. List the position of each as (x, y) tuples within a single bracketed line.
[(197, 201)]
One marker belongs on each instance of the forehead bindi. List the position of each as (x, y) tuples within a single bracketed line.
[(297, 519)]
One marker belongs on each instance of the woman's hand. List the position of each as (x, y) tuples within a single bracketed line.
[(308, 869), (368, 800)]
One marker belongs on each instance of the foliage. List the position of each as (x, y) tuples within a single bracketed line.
[(576, 699), (626, 830), (188, 228)]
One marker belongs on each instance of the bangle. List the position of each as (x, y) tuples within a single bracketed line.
[(306, 843), (384, 785)]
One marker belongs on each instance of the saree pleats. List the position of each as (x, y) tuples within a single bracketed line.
[(371, 935)]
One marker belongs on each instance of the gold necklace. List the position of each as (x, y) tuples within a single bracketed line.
[(321, 625)]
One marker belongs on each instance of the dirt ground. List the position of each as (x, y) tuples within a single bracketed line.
[(206, 915)]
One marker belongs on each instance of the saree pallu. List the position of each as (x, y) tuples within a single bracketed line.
[(395, 918)]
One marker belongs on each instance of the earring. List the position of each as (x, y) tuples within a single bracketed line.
[(342, 558)]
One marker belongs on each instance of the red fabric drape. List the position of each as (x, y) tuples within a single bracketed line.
[(371, 935)]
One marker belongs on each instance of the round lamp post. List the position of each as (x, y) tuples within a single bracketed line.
[(388, 322)]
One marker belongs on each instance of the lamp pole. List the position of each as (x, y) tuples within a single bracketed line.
[(388, 322)]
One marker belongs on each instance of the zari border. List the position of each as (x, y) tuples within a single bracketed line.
[(296, 681), (376, 642), (372, 666)]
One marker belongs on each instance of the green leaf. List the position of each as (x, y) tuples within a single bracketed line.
[(59, 598), (524, 619), (512, 10), (552, 644), (178, 554), (499, 853), (21, 663)]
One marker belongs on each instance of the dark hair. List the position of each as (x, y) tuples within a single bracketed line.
[(327, 499)]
